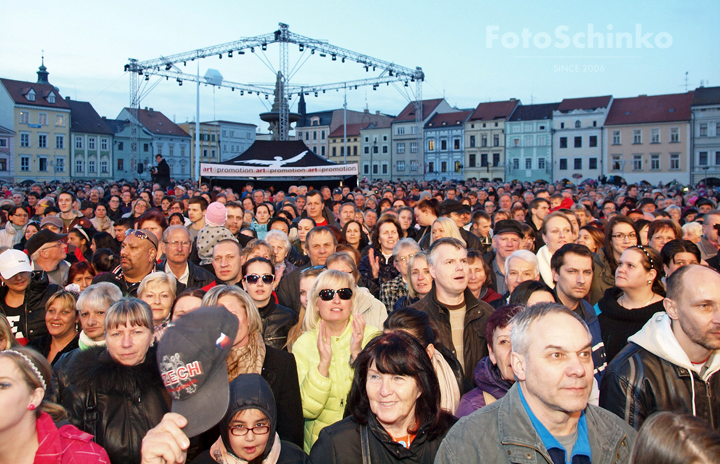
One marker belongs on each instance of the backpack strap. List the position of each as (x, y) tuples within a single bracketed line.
[(91, 415), (365, 445)]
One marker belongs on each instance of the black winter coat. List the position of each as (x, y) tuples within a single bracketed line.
[(32, 321), (280, 371), (340, 443), (474, 339), (288, 291), (277, 321), (388, 271), (115, 403)]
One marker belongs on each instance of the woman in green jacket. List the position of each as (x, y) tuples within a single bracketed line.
[(326, 351)]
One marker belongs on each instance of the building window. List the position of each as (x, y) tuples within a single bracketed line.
[(592, 163), (24, 140), (541, 163), (431, 145), (42, 119), (322, 150), (528, 163), (366, 150), (91, 166), (577, 163), (578, 142), (24, 163), (59, 141), (400, 148), (121, 146), (674, 134), (528, 140), (563, 164), (563, 142), (616, 165), (204, 152), (577, 125), (456, 144), (674, 161), (42, 141), (401, 131), (472, 141), (334, 151), (496, 140), (376, 169), (385, 149), (51, 98), (654, 162), (355, 150), (103, 167), (655, 136), (146, 147), (562, 125), (314, 135), (182, 151), (443, 166), (3, 142), (104, 145), (322, 135), (299, 135), (385, 168), (431, 167), (413, 147), (483, 141), (483, 160), (413, 130), (91, 143), (376, 148), (496, 159), (443, 145), (42, 164), (703, 158), (78, 143), (593, 141), (401, 165), (515, 164), (78, 166), (637, 136), (703, 129), (472, 160), (717, 129), (516, 142), (120, 164), (3, 164), (24, 117), (637, 162), (59, 164), (616, 137), (717, 158), (59, 120)]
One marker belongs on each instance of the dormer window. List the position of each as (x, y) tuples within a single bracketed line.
[(30, 95), (51, 98)]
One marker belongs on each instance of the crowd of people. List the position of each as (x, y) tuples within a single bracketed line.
[(392, 322)]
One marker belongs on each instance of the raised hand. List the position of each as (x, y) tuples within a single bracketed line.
[(374, 263), (166, 443), (358, 330)]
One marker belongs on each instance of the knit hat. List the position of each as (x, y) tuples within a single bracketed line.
[(216, 214)]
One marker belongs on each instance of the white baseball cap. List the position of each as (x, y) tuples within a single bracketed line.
[(14, 262)]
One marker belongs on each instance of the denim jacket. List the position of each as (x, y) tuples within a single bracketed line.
[(503, 432)]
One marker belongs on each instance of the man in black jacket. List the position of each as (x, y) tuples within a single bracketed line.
[(672, 362), (458, 316), (177, 250), (162, 172)]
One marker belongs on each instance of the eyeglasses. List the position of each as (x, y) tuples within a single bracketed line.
[(253, 278), (328, 294), (141, 235), (240, 431), (175, 243), (622, 237), (313, 268), (402, 259)]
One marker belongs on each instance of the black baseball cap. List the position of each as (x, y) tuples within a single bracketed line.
[(508, 226), (191, 357), (41, 238)]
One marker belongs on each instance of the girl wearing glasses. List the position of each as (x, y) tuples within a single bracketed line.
[(258, 281), (326, 351), (620, 234)]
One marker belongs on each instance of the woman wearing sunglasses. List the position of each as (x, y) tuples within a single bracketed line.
[(258, 281), (326, 351)]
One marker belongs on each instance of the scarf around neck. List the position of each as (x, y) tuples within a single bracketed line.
[(248, 359)]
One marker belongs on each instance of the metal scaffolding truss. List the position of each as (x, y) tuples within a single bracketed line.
[(168, 67)]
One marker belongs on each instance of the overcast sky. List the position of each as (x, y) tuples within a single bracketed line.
[(470, 51)]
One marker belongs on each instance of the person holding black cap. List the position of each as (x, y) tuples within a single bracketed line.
[(48, 252)]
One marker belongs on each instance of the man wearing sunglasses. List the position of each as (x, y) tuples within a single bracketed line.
[(138, 254)]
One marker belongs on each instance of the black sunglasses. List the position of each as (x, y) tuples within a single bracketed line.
[(328, 294), (253, 278)]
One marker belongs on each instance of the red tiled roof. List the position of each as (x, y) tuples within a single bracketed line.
[(352, 130), (408, 113), (589, 103), (448, 119), (494, 110), (158, 123), (18, 90), (655, 108)]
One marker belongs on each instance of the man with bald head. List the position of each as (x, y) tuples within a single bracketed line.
[(138, 254), (670, 364)]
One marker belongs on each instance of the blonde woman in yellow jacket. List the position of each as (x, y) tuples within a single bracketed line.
[(331, 341)]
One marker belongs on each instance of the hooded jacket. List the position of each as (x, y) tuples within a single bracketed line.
[(65, 444), (489, 381), (117, 404), (251, 391), (653, 373), (476, 317), (32, 322), (503, 432)]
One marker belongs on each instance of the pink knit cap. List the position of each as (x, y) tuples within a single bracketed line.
[(216, 214)]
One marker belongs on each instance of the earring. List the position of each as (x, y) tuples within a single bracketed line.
[(649, 282), (31, 407)]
